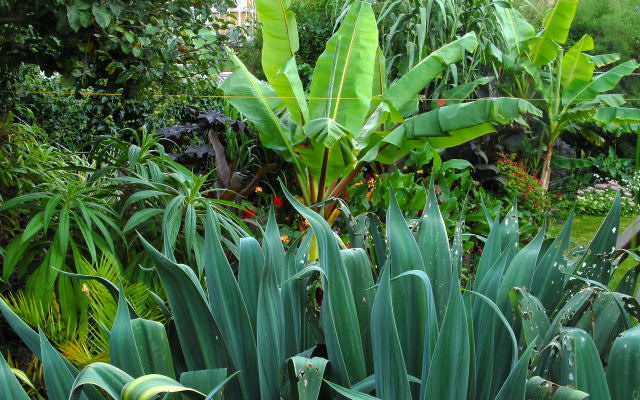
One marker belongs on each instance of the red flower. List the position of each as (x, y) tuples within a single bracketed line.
[(441, 102), (278, 201), (248, 212)]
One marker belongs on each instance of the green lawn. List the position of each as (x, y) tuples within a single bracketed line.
[(585, 227)]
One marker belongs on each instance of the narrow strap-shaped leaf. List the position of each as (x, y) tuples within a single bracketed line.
[(200, 339), (410, 303), (449, 374), (624, 364), (57, 376), (10, 388), (228, 308), (270, 331), (548, 280), (580, 364), (149, 386), (250, 267), (205, 380), (539, 388), (434, 245), (308, 374), (344, 343), (153, 347), (514, 388), (350, 394), (105, 376), (122, 344), (388, 360)]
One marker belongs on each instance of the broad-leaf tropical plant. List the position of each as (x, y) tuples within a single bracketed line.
[(570, 90), (351, 115)]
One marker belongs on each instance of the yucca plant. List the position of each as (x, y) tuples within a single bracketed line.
[(399, 328)]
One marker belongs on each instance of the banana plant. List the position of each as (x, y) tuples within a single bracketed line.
[(351, 115), (396, 328), (570, 90)]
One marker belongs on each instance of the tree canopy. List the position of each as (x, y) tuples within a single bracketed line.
[(111, 44)]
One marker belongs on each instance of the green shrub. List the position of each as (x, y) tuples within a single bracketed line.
[(396, 324)]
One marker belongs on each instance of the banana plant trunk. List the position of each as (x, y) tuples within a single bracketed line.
[(546, 167)]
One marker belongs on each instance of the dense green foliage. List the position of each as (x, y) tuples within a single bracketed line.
[(413, 325), (362, 218), (112, 44)]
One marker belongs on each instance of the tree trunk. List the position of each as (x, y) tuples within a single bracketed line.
[(546, 168)]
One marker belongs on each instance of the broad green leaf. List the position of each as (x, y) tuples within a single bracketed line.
[(624, 364), (514, 28), (586, 91), (617, 115), (149, 386), (452, 125), (557, 23), (580, 364), (400, 92), (257, 101), (388, 361), (105, 376), (102, 15), (604, 59), (325, 131), (10, 387), (576, 66), (541, 50), (228, 308), (342, 80), (279, 47), (308, 373)]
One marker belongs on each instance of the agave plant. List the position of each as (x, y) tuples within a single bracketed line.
[(351, 115), (398, 328)]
